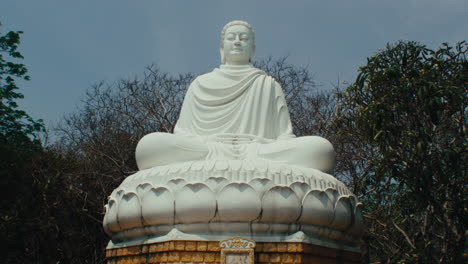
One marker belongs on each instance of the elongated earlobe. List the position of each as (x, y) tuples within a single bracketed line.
[(251, 59), (223, 61)]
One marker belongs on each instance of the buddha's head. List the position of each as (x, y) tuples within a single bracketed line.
[(237, 43)]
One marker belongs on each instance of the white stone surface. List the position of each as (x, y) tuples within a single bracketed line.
[(234, 167), (235, 112), (262, 200)]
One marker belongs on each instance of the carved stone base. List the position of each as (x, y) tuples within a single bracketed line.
[(179, 252)]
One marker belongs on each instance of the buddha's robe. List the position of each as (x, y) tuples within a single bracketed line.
[(236, 100), (234, 112)]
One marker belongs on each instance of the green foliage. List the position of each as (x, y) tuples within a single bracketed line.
[(407, 111), (13, 122), (47, 216), (17, 129)]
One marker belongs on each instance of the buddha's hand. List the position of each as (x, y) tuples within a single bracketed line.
[(228, 138)]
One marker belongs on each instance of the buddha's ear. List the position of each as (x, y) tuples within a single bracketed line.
[(251, 60), (222, 56)]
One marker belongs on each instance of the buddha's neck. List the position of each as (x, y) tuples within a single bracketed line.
[(235, 67)]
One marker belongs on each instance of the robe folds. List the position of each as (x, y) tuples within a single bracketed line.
[(234, 113), (235, 100)]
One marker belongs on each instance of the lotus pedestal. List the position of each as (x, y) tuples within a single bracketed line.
[(180, 213)]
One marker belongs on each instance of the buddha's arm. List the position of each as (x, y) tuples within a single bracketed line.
[(183, 125), (284, 125)]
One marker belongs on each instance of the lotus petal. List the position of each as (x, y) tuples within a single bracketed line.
[(238, 202), (216, 183), (300, 188), (317, 209), (110, 218), (157, 206), (357, 228), (261, 185), (129, 213), (175, 184), (195, 203), (280, 204), (343, 214)]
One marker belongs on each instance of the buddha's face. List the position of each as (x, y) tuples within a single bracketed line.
[(238, 45)]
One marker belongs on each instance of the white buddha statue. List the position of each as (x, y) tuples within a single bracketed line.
[(235, 112), (233, 167)]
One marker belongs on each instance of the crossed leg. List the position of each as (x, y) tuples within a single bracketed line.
[(157, 149)]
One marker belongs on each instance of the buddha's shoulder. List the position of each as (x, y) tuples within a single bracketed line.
[(205, 76), (228, 73)]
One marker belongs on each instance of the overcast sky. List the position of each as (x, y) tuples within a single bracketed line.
[(70, 45)]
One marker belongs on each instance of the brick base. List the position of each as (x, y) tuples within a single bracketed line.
[(179, 252)]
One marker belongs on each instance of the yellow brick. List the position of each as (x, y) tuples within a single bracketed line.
[(153, 248), (213, 246), (190, 246), (144, 249), (164, 257), (275, 258), (134, 250), (287, 258), (154, 258), (298, 258), (166, 246), (299, 247), (160, 247), (217, 257), (108, 253), (185, 256), (292, 247), (282, 247), (128, 260), (202, 245), (270, 247), (173, 256), (263, 257), (209, 257), (171, 245), (122, 260), (197, 257), (179, 245)]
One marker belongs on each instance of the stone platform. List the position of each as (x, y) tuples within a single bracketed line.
[(172, 252), (180, 213)]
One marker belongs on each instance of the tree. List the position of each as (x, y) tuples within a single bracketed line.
[(18, 144), (16, 126), (403, 125)]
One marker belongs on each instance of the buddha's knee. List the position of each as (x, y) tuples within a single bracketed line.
[(318, 151), (315, 143), (151, 148), (157, 149)]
